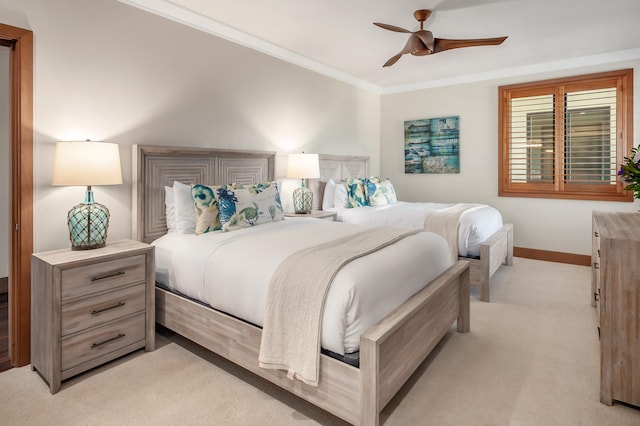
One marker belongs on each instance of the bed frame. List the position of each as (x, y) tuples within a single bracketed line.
[(495, 251), (389, 352)]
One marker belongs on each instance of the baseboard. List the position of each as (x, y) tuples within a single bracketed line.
[(552, 256), (4, 285)]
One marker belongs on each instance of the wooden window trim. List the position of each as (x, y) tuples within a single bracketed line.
[(623, 80)]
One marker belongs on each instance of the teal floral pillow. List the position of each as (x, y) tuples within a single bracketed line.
[(207, 212), (356, 193), (244, 206), (379, 193)]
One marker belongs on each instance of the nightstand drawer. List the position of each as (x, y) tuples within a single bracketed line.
[(93, 311), (102, 276), (100, 341)]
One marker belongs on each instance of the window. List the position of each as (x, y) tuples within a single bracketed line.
[(566, 138)]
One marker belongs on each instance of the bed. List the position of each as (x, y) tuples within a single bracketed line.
[(487, 248), (389, 352)]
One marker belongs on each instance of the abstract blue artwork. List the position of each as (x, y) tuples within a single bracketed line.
[(432, 145)]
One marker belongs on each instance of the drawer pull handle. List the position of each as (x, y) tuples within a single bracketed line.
[(119, 336), (98, 311), (596, 234), (596, 296), (596, 265), (107, 275)]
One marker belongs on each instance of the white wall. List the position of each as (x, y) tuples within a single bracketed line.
[(5, 161), (544, 224), (108, 71)]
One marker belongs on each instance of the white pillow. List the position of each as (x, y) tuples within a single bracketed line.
[(185, 209), (328, 198), (170, 208), (341, 199)]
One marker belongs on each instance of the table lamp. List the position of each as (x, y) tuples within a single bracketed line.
[(87, 163), (303, 166)]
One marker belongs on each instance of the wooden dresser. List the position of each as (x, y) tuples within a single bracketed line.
[(616, 294), (89, 307)]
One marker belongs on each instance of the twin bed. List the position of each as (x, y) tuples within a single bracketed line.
[(479, 235), (390, 344)]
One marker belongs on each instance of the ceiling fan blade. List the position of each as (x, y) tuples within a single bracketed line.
[(413, 44), (393, 59), (391, 27), (442, 44)]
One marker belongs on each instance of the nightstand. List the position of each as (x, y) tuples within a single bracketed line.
[(89, 307), (315, 214)]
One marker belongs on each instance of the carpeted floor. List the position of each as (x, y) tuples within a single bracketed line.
[(532, 358)]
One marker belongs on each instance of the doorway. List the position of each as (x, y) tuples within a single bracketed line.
[(20, 43), (5, 202)]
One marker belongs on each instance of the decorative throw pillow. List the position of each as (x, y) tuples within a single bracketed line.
[(185, 217), (329, 195), (355, 191), (379, 193), (243, 206), (207, 213)]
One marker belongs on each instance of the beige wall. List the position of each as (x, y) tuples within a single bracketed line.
[(555, 225), (108, 71)]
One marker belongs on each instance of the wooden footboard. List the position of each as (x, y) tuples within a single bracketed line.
[(392, 350), (495, 251), (389, 353)]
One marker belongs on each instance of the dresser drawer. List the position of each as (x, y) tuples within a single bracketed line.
[(100, 341), (96, 310), (100, 276)]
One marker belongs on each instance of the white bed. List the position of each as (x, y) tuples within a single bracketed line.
[(475, 227), (352, 305), (482, 237), (389, 351)]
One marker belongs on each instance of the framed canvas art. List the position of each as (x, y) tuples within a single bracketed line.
[(432, 145)]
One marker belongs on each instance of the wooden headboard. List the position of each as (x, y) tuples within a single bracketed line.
[(343, 167), (155, 167), (339, 168)]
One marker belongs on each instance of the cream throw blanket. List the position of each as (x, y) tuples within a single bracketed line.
[(295, 300), (444, 222)]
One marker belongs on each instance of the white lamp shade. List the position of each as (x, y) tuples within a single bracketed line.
[(303, 166), (87, 163)]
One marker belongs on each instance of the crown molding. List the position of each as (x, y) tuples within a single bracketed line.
[(200, 22)]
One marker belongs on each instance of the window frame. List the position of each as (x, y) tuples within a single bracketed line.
[(622, 80)]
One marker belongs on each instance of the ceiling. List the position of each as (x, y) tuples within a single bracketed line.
[(338, 38)]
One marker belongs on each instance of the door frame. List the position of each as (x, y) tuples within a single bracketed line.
[(21, 43)]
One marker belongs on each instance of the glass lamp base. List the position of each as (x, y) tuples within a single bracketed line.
[(88, 223), (302, 200)]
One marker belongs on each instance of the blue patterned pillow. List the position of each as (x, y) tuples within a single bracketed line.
[(207, 213), (355, 191), (379, 193), (243, 206)]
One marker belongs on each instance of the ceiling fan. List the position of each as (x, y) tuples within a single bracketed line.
[(422, 42)]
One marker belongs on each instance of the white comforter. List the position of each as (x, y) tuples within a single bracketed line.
[(231, 271), (475, 225)]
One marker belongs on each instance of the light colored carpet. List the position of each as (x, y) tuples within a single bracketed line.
[(532, 358)]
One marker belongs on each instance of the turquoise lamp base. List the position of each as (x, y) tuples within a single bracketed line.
[(302, 200), (88, 223)]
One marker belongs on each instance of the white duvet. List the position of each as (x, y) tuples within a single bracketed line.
[(475, 226), (231, 271)]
